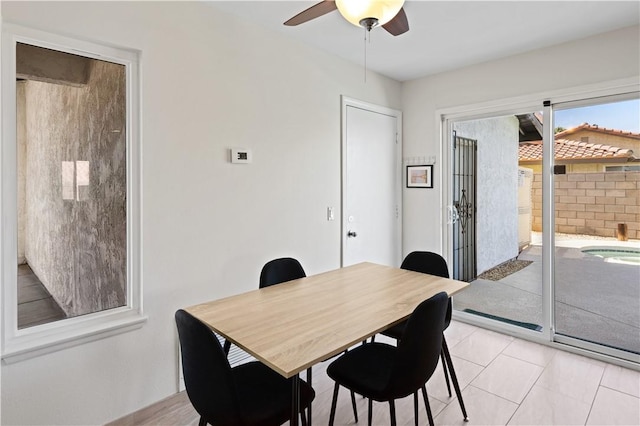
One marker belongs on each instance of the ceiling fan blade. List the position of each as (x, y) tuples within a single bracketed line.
[(313, 12), (398, 25)]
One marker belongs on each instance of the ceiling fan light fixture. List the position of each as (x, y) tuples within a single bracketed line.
[(359, 11)]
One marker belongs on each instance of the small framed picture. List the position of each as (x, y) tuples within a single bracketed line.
[(420, 176)]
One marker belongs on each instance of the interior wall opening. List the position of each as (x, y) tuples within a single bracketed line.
[(71, 175)]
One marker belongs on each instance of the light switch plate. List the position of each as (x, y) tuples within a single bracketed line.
[(330, 214)]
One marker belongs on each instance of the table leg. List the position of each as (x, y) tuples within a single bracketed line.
[(309, 422), (295, 399)]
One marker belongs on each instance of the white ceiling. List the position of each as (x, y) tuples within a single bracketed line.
[(445, 35)]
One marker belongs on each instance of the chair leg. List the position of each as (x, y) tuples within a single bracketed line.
[(202, 422), (370, 412), (446, 373), (454, 379), (353, 405), (426, 404), (415, 408), (334, 400), (226, 347), (392, 412), (304, 418)]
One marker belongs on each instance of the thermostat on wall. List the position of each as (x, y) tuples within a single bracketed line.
[(241, 155)]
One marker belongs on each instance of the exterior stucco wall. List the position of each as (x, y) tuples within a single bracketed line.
[(497, 188), (75, 235), (596, 167), (607, 139), (595, 137)]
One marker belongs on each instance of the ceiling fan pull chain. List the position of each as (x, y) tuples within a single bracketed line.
[(365, 53)]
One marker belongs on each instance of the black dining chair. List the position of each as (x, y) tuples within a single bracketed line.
[(384, 373), (249, 394), (427, 262), (280, 270)]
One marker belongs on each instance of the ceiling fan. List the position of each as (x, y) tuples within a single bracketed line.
[(365, 13)]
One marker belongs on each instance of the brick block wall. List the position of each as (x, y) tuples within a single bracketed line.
[(592, 203)]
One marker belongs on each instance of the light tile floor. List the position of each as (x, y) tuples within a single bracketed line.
[(508, 381), (504, 381)]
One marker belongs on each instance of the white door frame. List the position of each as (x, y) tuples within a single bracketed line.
[(351, 102)]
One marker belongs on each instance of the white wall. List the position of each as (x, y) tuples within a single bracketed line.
[(209, 83), (496, 188), (607, 57)]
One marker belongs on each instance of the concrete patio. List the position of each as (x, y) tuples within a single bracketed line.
[(596, 300)]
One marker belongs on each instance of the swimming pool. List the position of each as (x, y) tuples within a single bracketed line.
[(628, 256)]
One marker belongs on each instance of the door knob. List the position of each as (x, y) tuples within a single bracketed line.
[(351, 234)]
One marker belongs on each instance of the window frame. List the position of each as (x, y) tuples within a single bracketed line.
[(18, 344), (626, 168)]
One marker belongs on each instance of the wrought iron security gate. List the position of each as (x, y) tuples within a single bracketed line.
[(464, 202)]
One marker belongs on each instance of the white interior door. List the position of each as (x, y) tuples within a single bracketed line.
[(371, 184)]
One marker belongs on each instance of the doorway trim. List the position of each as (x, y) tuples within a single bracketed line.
[(345, 102)]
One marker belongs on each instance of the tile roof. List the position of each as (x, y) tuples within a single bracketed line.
[(596, 128), (573, 150)]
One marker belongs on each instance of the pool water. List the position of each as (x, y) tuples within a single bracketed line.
[(628, 256)]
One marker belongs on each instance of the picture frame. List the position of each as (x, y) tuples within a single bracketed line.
[(420, 176)]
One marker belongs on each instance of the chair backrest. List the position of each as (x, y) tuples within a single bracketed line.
[(280, 270), (419, 349), (207, 373), (428, 262)]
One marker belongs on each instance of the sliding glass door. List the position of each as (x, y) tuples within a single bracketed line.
[(597, 224), (546, 223)]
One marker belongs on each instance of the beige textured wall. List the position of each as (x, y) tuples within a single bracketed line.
[(592, 203), (77, 245), (588, 167), (607, 139), (579, 167)]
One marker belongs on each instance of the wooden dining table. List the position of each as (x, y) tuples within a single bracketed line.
[(292, 326)]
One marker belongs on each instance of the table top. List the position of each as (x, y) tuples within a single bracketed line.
[(294, 325)]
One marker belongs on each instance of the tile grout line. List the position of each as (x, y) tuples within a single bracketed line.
[(619, 391), (532, 386), (595, 395)]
